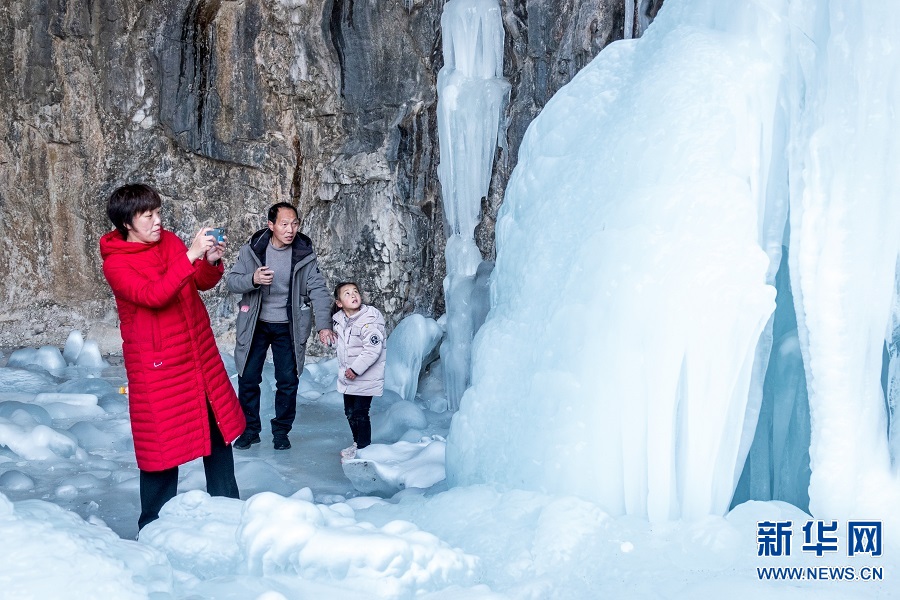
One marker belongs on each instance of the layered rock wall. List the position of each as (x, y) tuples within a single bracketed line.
[(227, 106)]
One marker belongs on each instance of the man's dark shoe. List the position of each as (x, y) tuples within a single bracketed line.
[(282, 442), (246, 439)]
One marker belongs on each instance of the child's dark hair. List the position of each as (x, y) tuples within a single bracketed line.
[(337, 290)]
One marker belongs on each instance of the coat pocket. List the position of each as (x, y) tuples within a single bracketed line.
[(244, 325), (304, 325)]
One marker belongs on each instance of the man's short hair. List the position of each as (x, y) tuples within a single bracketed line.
[(127, 202), (273, 210)]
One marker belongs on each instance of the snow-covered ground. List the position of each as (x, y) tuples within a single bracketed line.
[(616, 382), (69, 504)]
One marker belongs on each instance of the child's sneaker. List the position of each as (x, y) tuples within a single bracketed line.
[(349, 452)]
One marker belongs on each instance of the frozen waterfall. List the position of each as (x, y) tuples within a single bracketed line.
[(472, 96), (631, 350)]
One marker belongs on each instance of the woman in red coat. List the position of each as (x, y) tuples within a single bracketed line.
[(181, 400)]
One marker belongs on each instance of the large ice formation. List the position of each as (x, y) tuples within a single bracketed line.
[(631, 328)]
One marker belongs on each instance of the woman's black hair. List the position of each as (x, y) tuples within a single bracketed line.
[(337, 290), (129, 201)]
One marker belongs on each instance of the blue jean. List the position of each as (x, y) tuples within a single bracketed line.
[(278, 336)]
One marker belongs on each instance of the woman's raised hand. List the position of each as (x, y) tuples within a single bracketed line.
[(215, 254), (201, 245)]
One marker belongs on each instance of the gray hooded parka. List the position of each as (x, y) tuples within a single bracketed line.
[(307, 285)]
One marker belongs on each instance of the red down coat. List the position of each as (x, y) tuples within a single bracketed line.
[(170, 353)]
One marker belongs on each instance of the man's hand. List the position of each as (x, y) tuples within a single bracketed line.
[(263, 276), (327, 337)]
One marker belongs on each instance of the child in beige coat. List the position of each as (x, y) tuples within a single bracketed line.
[(359, 329)]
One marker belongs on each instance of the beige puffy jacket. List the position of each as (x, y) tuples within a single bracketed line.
[(361, 346)]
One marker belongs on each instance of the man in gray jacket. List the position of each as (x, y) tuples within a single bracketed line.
[(278, 277)]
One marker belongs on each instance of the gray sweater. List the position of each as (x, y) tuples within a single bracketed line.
[(275, 296)]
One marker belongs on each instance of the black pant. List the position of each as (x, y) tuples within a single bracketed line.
[(277, 335), (357, 410), (158, 487)]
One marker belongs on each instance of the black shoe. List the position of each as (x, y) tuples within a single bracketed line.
[(246, 439), (282, 442)]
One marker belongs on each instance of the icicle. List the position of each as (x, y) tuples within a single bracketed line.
[(472, 97), (629, 19)]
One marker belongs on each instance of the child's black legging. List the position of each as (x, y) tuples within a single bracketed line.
[(357, 410)]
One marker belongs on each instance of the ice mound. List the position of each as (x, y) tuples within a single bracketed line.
[(69, 406), (289, 536), (24, 413), (57, 554), (91, 438), (48, 358), (323, 372), (90, 356), (260, 476), (411, 345), (385, 470), (73, 346), (87, 385), (23, 381), (400, 417), (16, 480), (197, 532), (38, 442)]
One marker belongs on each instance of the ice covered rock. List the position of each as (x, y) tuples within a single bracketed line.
[(385, 470), (411, 345), (87, 385), (308, 389), (21, 380), (291, 537), (66, 398), (57, 554), (91, 438), (23, 413), (22, 357), (90, 356), (113, 404), (197, 532), (48, 358), (73, 346), (323, 372), (14, 480), (69, 406), (39, 442), (401, 416)]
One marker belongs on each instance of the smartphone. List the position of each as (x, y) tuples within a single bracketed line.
[(217, 233)]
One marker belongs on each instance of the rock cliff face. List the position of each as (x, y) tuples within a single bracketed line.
[(227, 106)]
